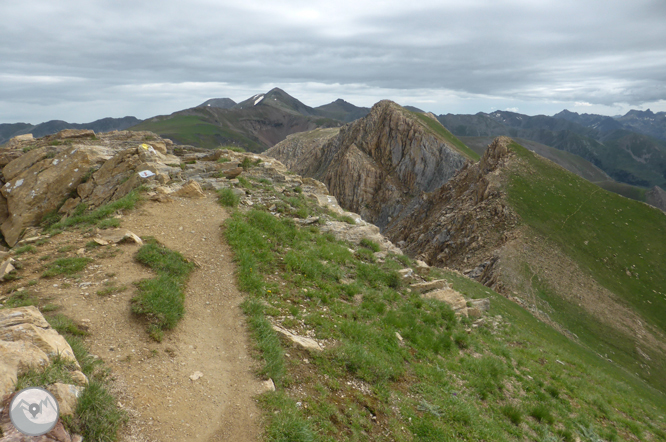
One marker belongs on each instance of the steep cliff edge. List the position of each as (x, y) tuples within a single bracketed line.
[(587, 261), (378, 164), (462, 224)]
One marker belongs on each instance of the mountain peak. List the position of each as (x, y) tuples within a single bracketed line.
[(222, 103)]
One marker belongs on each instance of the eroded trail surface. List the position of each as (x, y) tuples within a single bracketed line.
[(155, 378)]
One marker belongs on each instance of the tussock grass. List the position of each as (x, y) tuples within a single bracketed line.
[(66, 266), (97, 416), (228, 198), (57, 371), (161, 300), (81, 217), (21, 299), (399, 367), (25, 249)]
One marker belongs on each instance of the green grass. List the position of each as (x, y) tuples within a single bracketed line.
[(228, 198), (66, 266), (161, 300), (21, 299), (99, 216), (370, 245), (97, 416), (25, 249), (617, 241), (57, 371), (196, 131), (626, 190), (436, 127), (445, 380)]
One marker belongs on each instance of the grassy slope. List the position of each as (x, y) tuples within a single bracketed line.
[(569, 161), (623, 236), (194, 130), (626, 190), (436, 127), (446, 381)]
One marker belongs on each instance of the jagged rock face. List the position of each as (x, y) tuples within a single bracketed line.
[(656, 197), (43, 173), (464, 223), (376, 165), (39, 180)]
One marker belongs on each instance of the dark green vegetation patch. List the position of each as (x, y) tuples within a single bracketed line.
[(161, 300)]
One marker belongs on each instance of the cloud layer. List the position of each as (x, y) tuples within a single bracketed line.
[(80, 60)]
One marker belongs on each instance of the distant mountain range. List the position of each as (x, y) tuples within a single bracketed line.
[(626, 147), (255, 124), (8, 131), (626, 154)]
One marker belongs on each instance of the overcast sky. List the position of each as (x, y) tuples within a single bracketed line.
[(80, 60)]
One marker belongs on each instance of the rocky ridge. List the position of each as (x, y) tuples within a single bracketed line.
[(464, 223), (376, 165), (121, 161)]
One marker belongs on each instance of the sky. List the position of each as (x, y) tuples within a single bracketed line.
[(81, 60)]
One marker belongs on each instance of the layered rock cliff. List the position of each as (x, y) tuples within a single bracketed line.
[(377, 165), (464, 223), (43, 175)]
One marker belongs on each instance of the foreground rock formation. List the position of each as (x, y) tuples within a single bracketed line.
[(376, 165), (27, 342), (73, 167)]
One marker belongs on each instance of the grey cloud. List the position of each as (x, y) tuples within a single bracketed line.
[(599, 52)]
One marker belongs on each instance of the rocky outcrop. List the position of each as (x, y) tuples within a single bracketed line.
[(656, 197), (73, 167), (28, 341), (41, 179), (376, 165), (464, 223)]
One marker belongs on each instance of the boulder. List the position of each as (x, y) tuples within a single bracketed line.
[(28, 324), (17, 358), (406, 274), (6, 267), (116, 178), (427, 286), (38, 182), (67, 396), (69, 206), (190, 190), (28, 341), (233, 173), (454, 299), (25, 137), (75, 133), (119, 235), (301, 341), (9, 155)]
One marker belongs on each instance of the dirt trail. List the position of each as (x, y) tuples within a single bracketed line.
[(154, 378)]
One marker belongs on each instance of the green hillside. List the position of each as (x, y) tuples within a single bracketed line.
[(626, 190), (401, 368), (195, 131), (436, 127), (619, 242)]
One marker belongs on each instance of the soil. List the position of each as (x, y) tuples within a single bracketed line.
[(153, 379)]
